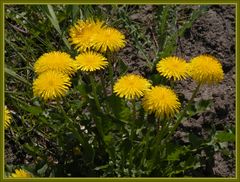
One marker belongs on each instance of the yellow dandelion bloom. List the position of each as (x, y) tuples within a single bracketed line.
[(51, 85), (162, 101), (20, 173), (131, 86), (108, 39), (206, 69), (7, 118), (91, 61), (173, 68), (82, 33), (56, 61)]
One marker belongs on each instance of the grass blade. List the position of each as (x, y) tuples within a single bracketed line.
[(53, 18), (16, 76)]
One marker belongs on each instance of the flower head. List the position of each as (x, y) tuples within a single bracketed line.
[(131, 86), (20, 173), (162, 101), (206, 69), (51, 85), (173, 67), (90, 61), (82, 33), (57, 61), (108, 38), (7, 118)]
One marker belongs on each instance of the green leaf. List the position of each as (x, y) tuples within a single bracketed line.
[(34, 151), (195, 140), (53, 18), (191, 110), (32, 109), (174, 152), (223, 136), (82, 88), (202, 105), (158, 79), (42, 170), (163, 22), (115, 104), (107, 139), (15, 75), (123, 67), (174, 155)]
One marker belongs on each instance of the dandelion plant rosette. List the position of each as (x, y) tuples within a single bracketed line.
[(206, 69), (51, 85), (7, 117), (162, 101), (131, 86), (173, 68), (55, 61), (90, 61)]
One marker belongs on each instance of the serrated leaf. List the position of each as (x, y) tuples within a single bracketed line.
[(223, 136), (174, 155), (202, 105)]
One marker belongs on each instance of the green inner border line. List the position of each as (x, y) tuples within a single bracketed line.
[(143, 2)]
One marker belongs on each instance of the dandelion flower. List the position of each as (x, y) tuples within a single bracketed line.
[(51, 85), (82, 33), (90, 61), (131, 86), (206, 69), (20, 173), (173, 68), (7, 118), (56, 61), (108, 39), (162, 101)]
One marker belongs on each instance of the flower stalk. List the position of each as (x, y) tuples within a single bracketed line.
[(94, 89), (184, 112)]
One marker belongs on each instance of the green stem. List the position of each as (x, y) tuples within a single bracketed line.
[(144, 155), (160, 135), (157, 125), (159, 138), (183, 113), (94, 89), (133, 101), (134, 109), (156, 147), (110, 68), (111, 75), (107, 109), (103, 85), (61, 108), (172, 83)]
